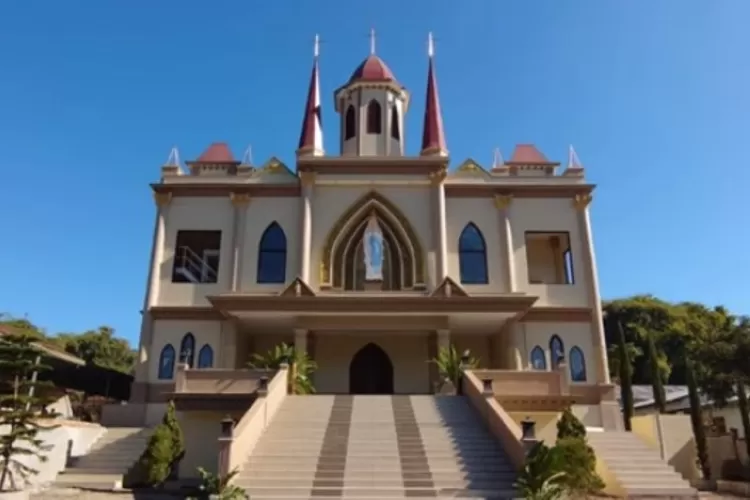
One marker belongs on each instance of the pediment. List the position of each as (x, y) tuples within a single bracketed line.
[(274, 167), (449, 288), (298, 288), (470, 168)]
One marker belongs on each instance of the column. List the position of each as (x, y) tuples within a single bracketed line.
[(227, 351), (502, 202), (308, 180), (151, 296), (300, 339), (581, 203), (441, 228), (443, 339), (240, 202)]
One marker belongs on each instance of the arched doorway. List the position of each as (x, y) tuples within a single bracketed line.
[(371, 371)]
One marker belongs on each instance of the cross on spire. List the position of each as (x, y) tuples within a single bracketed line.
[(316, 46), (372, 41), (430, 45)]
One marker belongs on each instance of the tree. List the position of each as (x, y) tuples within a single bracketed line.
[(569, 426), (576, 458), (656, 381), (20, 406), (99, 347), (159, 461), (178, 439), (696, 420), (626, 376)]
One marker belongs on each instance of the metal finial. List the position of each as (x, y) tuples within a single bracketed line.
[(372, 41), (573, 160), (497, 160), (247, 158), (430, 45), (316, 46), (174, 158)]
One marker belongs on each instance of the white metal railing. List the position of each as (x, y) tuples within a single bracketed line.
[(194, 267)]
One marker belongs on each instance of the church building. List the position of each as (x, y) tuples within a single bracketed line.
[(371, 260)]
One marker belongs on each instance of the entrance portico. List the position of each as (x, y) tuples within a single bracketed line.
[(376, 343)]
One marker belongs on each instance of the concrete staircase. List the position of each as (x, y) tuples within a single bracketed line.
[(109, 458), (377, 447), (640, 469)]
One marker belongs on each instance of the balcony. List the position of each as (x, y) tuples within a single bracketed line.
[(216, 389)]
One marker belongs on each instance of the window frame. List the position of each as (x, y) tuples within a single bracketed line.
[(281, 250), (464, 252)]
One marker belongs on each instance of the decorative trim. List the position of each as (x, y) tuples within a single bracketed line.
[(489, 190), (307, 178), (438, 176), (372, 165), (185, 312), (581, 201), (298, 288), (274, 166), (162, 199), (239, 200), (201, 190), (449, 288), (354, 209), (502, 201), (558, 314)]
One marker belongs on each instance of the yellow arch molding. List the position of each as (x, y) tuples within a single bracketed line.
[(325, 263)]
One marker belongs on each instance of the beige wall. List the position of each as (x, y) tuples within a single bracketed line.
[(672, 437), (408, 353), (172, 331), (202, 431), (572, 334)]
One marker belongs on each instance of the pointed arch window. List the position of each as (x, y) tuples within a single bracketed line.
[(187, 350), (272, 255), (374, 118), (350, 123), (206, 357), (472, 256), (538, 361), (166, 362), (556, 351), (577, 365), (395, 130)]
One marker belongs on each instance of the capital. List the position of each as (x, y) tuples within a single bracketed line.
[(439, 175), (502, 201), (239, 200), (162, 199), (307, 178), (581, 201)]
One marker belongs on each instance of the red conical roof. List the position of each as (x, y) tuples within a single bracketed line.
[(311, 136), (218, 152), (433, 136)]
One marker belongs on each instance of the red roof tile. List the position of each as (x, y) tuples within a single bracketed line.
[(433, 135), (218, 152), (372, 69), (527, 154)]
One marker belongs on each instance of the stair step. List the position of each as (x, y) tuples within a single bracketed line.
[(395, 482), (311, 473), (377, 492)]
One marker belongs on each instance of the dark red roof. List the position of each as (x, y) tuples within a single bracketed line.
[(433, 136), (527, 154), (372, 69), (311, 122), (218, 152)]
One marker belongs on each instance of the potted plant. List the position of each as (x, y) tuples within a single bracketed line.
[(301, 366), (450, 367), (21, 403)]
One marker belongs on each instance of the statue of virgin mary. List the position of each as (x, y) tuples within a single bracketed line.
[(373, 250)]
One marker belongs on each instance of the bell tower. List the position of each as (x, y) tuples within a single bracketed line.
[(371, 106)]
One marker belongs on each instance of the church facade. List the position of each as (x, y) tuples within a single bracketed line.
[(371, 260)]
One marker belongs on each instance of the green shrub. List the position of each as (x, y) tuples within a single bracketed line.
[(541, 477), (569, 426), (218, 486), (578, 463), (177, 440)]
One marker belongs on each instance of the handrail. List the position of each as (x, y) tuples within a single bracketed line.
[(194, 263)]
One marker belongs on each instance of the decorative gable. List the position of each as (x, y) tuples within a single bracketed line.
[(298, 288), (449, 288), (470, 168), (274, 168)]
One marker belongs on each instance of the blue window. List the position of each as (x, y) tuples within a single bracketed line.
[(472, 256), (556, 350), (272, 255), (166, 363), (187, 350), (206, 357), (538, 361), (577, 365)]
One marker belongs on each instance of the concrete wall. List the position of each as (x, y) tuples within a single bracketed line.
[(672, 436)]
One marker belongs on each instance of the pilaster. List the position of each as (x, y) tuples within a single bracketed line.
[(581, 203), (503, 202), (227, 351), (441, 231), (240, 202), (443, 339), (300, 340), (308, 181)]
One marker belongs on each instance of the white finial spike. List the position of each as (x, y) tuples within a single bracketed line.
[(430, 45), (316, 47), (497, 160), (372, 41), (573, 160), (247, 158), (174, 158)]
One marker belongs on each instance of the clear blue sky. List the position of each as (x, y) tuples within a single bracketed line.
[(653, 95)]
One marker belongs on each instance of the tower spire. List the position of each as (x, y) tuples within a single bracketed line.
[(311, 137), (433, 135), (372, 41)]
